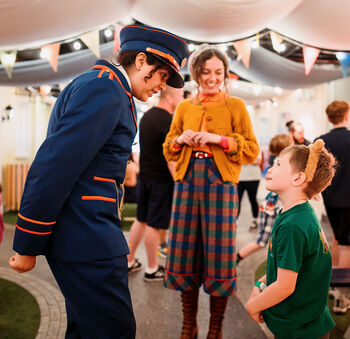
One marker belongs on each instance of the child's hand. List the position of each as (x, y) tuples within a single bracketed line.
[(256, 316), (22, 263)]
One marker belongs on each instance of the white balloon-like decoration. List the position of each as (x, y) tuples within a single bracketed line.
[(212, 21), (33, 23), (319, 23)]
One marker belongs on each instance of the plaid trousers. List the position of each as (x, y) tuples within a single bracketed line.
[(202, 233)]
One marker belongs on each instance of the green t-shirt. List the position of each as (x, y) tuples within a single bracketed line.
[(296, 244)]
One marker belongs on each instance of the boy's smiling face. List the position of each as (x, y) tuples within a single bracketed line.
[(280, 176)]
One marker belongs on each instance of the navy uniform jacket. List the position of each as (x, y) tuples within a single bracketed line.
[(69, 208)]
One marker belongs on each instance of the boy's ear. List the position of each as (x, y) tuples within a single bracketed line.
[(299, 179)]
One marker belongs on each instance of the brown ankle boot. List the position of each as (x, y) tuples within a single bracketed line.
[(189, 306), (217, 310)]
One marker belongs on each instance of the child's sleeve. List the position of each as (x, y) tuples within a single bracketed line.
[(289, 247)]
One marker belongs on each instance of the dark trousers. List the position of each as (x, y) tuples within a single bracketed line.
[(251, 187), (98, 302)]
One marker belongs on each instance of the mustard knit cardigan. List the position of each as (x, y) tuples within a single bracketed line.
[(229, 119)]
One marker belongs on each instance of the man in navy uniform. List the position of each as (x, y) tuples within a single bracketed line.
[(70, 206)]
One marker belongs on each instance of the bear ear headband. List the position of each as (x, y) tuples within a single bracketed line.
[(314, 154)]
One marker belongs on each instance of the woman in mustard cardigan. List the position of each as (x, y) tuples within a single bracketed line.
[(210, 137)]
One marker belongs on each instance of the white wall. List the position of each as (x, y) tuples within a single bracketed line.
[(338, 90), (305, 105), (21, 136)]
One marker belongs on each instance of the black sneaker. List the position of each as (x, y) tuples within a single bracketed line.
[(136, 266), (156, 276)]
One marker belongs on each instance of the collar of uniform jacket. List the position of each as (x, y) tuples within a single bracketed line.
[(117, 69)]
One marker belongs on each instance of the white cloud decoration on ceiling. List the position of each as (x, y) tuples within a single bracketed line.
[(319, 23), (212, 21)]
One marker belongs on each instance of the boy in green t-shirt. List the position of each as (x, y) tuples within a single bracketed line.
[(292, 297)]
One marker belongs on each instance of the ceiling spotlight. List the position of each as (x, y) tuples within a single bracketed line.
[(77, 45), (278, 90), (44, 54), (191, 47), (281, 47), (108, 33), (223, 48)]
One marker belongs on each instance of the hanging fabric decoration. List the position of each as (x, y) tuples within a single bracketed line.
[(117, 30), (344, 59), (50, 53), (92, 41), (243, 48), (8, 60), (276, 40), (310, 55)]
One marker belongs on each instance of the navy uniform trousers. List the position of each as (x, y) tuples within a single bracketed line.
[(97, 296), (70, 205)]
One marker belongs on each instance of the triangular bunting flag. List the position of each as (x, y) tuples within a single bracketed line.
[(276, 40), (117, 30), (92, 41), (310, 56), (243, 48), (344, 59), (8, 60), (50, 53)]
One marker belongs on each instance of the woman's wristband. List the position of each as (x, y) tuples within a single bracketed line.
[(177, 146), (224, 142)]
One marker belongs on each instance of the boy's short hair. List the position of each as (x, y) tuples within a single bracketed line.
[(336, 111), (325, 170), (278, 143)]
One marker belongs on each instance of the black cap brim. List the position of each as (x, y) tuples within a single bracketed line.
[(175, 80)]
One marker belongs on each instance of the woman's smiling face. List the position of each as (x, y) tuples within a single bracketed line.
[(212, 75)]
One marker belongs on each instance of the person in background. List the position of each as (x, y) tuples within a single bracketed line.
[(249, 179), (70, 208), (336, 197), (292, 297), (269, 207), (188, 94), (156, 184), (210, 137), (296, 133), (130, 181)]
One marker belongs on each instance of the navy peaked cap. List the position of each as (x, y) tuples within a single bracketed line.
[(164, 45)]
